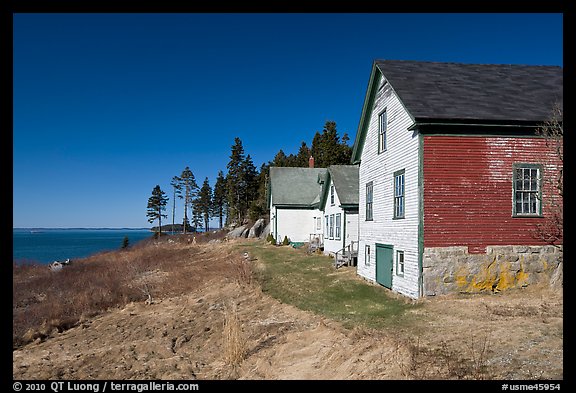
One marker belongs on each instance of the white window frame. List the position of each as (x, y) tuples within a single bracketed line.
[(367, 255), (331, 235), (400, 263), (527, 190), (399, 194), (332, 195), (338, 226), (369, 201), (382, 131)]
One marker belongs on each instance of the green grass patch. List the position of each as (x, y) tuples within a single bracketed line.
[(311, 283)]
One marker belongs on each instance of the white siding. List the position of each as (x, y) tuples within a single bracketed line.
[(348, 230), (401, 153), (297, 224), (332, 245), (351, 227)]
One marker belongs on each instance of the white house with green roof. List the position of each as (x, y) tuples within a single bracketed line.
[(294, 200), (339, 203)]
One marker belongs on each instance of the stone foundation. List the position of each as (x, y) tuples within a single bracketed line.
[(453, 269)]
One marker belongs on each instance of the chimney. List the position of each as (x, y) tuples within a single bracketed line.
[(311, 162)]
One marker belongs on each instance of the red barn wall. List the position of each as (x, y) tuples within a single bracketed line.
[(468, 190)]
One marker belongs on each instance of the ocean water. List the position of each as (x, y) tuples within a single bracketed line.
[(48, 245)]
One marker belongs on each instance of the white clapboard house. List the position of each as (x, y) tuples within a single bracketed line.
[(339, 204), (294, 200), (440, 147)]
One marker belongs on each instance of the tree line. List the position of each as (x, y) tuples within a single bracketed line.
[(242, 192)]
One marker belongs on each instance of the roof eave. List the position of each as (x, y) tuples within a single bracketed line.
[(364, 116)]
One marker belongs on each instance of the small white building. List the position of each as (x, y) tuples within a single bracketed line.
[(294, 200), (339, 203)]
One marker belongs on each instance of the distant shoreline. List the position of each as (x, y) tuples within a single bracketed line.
[(89, 229)]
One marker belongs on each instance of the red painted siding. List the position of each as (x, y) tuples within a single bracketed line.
[(468, 190)]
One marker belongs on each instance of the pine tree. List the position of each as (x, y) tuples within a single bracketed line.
[(327, 149), (188, 184), (219, 197), (204, 202), (196, 221), (303, 156), (259, 204), (250, 184), (279, 159), (156, 205), (176, 184), (235, 181)]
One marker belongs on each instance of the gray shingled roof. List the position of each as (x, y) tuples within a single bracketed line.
[(345, 179), (296, 187), (484, 92)]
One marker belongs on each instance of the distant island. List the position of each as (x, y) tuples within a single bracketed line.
[(174, 228)]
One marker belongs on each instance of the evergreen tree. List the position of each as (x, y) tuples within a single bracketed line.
[(251, 184), (259, 204), (190, 188), (176, 184), (235, 180), (219, 197), (279, 159), (125, 242), (156, 205), (204, 202), (303, 156), (196, 221), (327, 149)]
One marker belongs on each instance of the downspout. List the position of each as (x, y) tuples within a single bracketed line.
[(420, 214), (344, 229), (276, 224)]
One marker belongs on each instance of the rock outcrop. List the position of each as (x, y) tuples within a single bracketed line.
[(257, 228)]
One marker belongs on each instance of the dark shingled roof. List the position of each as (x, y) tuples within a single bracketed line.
[(484, 92)]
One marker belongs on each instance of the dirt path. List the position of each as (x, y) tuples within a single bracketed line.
[(512, 336)]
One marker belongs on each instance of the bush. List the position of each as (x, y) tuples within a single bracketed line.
[(270, 239), (285, 242)]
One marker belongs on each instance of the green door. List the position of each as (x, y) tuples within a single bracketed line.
[(384, 265)]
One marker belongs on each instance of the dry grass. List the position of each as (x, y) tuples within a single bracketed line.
[(45, 302), (418, 361), (233, 340)]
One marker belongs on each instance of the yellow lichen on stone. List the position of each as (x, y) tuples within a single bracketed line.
[(521, 277), (507, 279), (485, 279)]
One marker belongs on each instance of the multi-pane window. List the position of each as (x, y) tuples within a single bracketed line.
[(331, 233), (367, 255), (382, 128), (399, 194), (332, 195), (318, 223), (369, 195), (338, 225), (400, 263), (527, 179)]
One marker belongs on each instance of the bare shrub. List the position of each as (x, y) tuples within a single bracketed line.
[(233, 341), (417, 361), (243, 271)]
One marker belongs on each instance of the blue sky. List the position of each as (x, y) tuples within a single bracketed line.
[(106, 106)]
